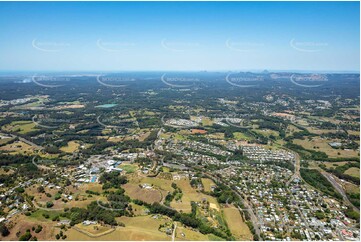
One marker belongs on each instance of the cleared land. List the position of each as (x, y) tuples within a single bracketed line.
[(319, 144), (71, 147), (18, 147), (136, 228), (353, 171), (191, 194), (207, 184), (236, 224), (241, 136), (21, 127), (147, 195)]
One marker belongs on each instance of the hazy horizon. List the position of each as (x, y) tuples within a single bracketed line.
[(180, 36)]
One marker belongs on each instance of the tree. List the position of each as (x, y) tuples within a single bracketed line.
[(4, 230), (49, 204), (25, 237), (41, 189)]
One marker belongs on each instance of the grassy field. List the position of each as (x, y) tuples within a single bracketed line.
[(216, 136), (136, 228), (21, 127), (5, 140), (351, 188), (146, 195), (128, 168), (83, 198), (183, 233), (191, 194), (291, 129), (94, 230), (322, 145), (335, 164), (18, 147), (71, 147), (320, 131), (236, 224), (267, 132), (22, 223), (207, 184), (353, 171), (241, 136), (207, 121)]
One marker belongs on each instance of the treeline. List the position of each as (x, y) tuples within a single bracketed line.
[(186, 219), (318, 181)]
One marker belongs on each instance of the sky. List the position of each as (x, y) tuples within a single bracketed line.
[(179, 36)]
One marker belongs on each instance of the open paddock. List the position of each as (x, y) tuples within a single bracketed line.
[(236, 224), (147, 195), (323, 146)]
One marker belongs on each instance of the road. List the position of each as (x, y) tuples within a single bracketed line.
[(338, 188), (297, 164), (28, 142)]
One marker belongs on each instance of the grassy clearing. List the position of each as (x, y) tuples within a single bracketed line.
[(291, 129), (71, 147), (241, 136), (22, 223), (216, 136), (21, 127), (191, 194), (353, 171), (319, 144), (267, 132), (128, 168), (94, 230), (136, 229), (351, 188), (147, 195), (18, 147), (236, 224), (207, 184), (335, 164)]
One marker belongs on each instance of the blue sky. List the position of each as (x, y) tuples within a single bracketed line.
[(120, 36)]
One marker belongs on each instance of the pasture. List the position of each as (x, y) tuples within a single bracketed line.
[(21, 127), (319, 144), (147, 195), (236, 224), (207, 184), (353, 171), (71, 147)]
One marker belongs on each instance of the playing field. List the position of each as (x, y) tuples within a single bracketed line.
[(128, 168), (236, 224)]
